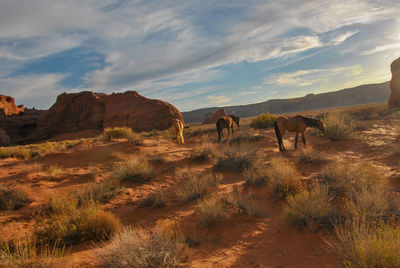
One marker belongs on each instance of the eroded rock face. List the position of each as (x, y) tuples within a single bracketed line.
[(7, 104), (4, 138), (214, 117), (88, 110), (394, 99)]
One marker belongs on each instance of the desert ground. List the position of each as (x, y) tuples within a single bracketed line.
[(251, 231)]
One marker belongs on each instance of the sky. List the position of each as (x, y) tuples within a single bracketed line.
[(194, 53)]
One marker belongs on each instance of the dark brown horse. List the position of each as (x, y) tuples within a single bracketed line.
[(296, 124), (226, 122)]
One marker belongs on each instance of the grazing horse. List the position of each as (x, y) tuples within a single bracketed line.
[(226, 122), (296, 124), (178, 126)]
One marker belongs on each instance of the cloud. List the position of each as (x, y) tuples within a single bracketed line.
[(218, 100)]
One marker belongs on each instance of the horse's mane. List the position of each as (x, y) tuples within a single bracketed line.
[(311, 122)]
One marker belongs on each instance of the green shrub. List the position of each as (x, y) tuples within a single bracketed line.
[(193, 187), (16, 151), (362, 244), (310, 208), (264, 121), (283, 177), (12, 198), (119, 133), (164, 246), (235, 159), (133, 169), (338, 126)]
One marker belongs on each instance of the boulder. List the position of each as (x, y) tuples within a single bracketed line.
[(394, 99), (7, 104), (4, 138), (87, 110), (214, 117)]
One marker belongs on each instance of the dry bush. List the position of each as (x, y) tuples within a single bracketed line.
[(135, 169), (310, 208), (338, 126), (54, 171), (101, 192), (195, 186), (202, 153), (245, 203), (19, 152), (364, 244), (211, 211), (263, 121), (236, 159), (309, 155), (28, 253), (163, 246), (65, 222), (12, 198), (244, 139), (32, 168), (118, 133), (156, 199), (255, 176), (283, 177)]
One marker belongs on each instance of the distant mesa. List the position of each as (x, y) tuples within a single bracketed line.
[(212, 118), (394, 99)]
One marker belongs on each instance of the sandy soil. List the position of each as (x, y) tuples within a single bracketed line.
[(239, 241)]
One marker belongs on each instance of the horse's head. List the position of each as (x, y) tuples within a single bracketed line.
[(320, 125), (236, 119)]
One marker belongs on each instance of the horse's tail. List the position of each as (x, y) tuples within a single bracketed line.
[(278, 133), (218, 125)]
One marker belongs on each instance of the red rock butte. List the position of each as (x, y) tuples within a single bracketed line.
[(214, 117), (394, 99)]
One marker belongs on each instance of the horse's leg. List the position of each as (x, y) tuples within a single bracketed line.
[(295, 140), (182, 139), (232, 131), (227, 138), (304, 139), (283, 146)]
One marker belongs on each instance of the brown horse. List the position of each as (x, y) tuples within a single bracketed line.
[(296, 124), (226, 122), (177, 126)]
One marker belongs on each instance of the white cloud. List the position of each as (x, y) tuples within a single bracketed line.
[(218, 100)]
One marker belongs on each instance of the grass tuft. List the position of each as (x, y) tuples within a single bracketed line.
[(283, 177), (235, 159), (195, 186), (263, 121), (133, 169), (309, 155), (12, 198), (211, 211), (156, 199), (118, 133), (338, 126)]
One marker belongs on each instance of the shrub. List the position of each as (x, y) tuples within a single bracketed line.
[(64, 221), (32, 168), (54, 171), (309, 155), (164, 246), (202, 153), (363, 244), (244, 139), (155, 199), (283, 177), (235, 159), (264, 121), (310, 209), (119, 133), (255, 176), (193, 187), (133, 169), (101, 192), (211, 211), (338, 126), (245, 204), (15, 151), (12, 198)]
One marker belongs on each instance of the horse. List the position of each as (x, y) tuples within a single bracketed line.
[(226, 122), (296, 124), (177, 126)]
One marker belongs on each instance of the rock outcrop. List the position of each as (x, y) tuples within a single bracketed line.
[(7, 104), (4, 138), (88, 110), (214, 117), (394, 99)]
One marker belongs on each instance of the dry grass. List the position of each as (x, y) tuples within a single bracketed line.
[(163, 246), (64, 221), (311, 209), (211, 211), (246, 203), (118, 133), (12, 198), (54, 171), (202, 153), (256, 176), (101, 192), (195, 186), (338, 126), (283, 177), (156, 199), (309, 155), (236, 159), (264, 121), (364, 244), (32, 168), (135, 169)]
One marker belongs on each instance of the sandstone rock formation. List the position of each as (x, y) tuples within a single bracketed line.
[(394, 99), (88, 110), (214, 117), (4, 138), (7, 104)]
